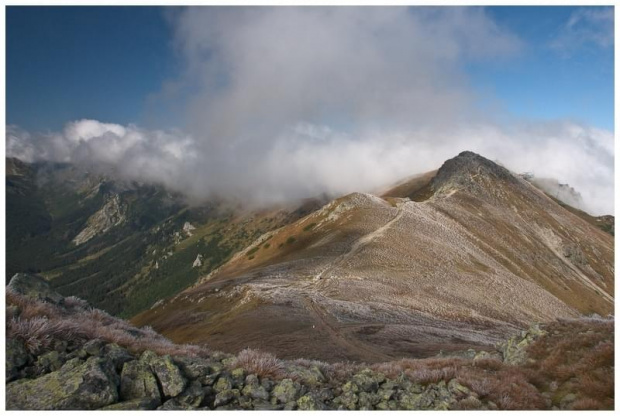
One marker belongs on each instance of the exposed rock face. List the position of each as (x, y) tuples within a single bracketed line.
[(188, 228), (198, 261), (111, 215)]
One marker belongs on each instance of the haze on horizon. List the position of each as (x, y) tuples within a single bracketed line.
[(271, 104)]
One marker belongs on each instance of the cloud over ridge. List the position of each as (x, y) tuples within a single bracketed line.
[(290, 102)]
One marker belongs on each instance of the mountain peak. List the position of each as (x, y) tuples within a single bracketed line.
[(463, 170)]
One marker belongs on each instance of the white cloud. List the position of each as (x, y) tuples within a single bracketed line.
[(310, 159), (586, 27), (293, 102)]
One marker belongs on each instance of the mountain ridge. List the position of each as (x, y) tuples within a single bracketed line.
[(370, 276)]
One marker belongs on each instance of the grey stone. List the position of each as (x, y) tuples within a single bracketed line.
[(16, 358), (35, 287), (286, 391), (137, 381), (88, 386), (169, 376), (144, 403)]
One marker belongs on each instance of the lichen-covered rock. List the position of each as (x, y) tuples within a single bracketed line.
[(195, 367), (208, 380), (174, 404), (229, 361), (310, 402), (311, 376), (34, 287), (16, 358), (290, 406), (238, 376), (368, 380), (251, 380), (267, 384), (48, 362), (348, 400), (265, 405), (349, 397), (225, 397), (244, 402), (410, 386), (118, 355), (514, 350), (88, 386), (325, 394), (138, 381), (194, 395), (411, 401), (255, 391), (367, 401), (458, 389), (223, 383), (169, 376), (286, 391), (94, 347), (144, 403), (382, 405)]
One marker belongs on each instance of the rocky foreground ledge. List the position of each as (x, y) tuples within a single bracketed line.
[(63, 354)]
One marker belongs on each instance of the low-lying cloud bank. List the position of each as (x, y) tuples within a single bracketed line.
[(309, 159), (284, 103)]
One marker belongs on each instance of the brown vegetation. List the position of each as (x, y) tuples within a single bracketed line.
[(38, 324)]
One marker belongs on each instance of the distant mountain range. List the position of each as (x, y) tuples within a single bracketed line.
[(121, 246), (456, 258)]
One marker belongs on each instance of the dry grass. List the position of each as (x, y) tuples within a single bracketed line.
[(30, 308), (579, 355), (260, 363), (587, 404), (39, 323)]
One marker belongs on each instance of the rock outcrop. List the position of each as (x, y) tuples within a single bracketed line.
[(112, 214), (76, 386), (34, 287)]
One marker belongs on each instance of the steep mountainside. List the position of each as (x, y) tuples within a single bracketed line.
[(122, 246), (453, 260)]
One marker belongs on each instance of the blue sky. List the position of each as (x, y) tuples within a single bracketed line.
[(104, 63), (67, 63)]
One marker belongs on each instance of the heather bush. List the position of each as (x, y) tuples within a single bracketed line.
[(259, 363)]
